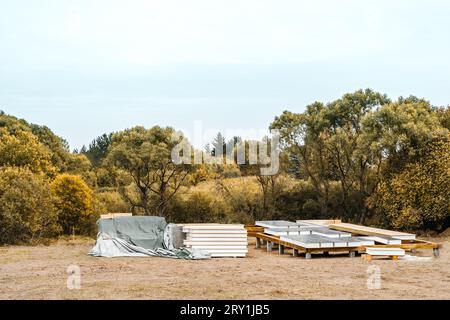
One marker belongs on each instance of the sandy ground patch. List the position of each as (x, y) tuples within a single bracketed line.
[(40, 273)]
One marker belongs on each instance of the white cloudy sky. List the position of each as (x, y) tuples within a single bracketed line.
[(87, 67)]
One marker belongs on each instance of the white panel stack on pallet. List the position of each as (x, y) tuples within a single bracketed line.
[(219, 240), (287, 228)]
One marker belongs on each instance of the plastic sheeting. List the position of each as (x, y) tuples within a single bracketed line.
[(137, 237)]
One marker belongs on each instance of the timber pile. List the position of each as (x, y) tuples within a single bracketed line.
[(369, 231), (333, 236), (253, 230), (219, 240), (115, 215)]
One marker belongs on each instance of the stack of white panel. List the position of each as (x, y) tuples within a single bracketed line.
[(219, 240), (287, 228)]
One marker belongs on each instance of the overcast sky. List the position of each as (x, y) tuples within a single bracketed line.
[(87, 67)]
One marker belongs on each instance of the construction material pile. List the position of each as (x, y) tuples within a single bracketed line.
[(122, 235), (218, 240), (319, 234)]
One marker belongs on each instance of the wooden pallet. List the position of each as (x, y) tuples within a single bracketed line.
[(252, 230), (270, 240)]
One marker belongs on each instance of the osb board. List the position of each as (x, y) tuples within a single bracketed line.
[(368, 231), (115, 215), (321, 222)]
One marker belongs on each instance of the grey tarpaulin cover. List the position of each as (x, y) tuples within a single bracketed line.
[(137, 237)]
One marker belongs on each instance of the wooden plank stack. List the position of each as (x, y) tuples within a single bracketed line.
[(369, 231), (115, 215), (219, 240)]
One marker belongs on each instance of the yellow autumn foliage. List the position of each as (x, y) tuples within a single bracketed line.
[(73, 202), (23, 149)]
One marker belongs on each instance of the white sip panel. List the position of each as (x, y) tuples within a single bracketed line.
[(219, 240)]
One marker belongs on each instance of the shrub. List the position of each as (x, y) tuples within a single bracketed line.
[(26, 210), (24, 150), (111, 202), (73, 203)]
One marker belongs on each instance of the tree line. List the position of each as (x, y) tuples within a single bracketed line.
[(363, 158)]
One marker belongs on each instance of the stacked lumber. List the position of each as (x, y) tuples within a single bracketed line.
[(115, 215), (321, 222), (252, 230), (369, 231), (219, 240)]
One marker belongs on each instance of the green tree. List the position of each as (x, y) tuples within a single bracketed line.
[(323, 143), (26, 208), (146, 156), (419, 196), (98, 149), (397, 131), (444, 116)]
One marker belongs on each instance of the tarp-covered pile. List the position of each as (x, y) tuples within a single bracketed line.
[(140, 237)]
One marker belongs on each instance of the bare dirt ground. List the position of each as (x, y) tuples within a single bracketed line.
[(40, 273)]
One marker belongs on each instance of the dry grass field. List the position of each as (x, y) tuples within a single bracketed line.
[(39, 272)]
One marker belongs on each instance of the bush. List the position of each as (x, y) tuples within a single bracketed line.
[(195, 208), (73, 203), (26, 209), (24, 150), (419, 196), (111, 202)]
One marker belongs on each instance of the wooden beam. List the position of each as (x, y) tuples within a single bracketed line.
[(115, 215), (369, 231), (321, 222)]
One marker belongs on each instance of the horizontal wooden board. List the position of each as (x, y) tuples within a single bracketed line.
[(369, 231), (320, 222), (253, 228), (115, 215)]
